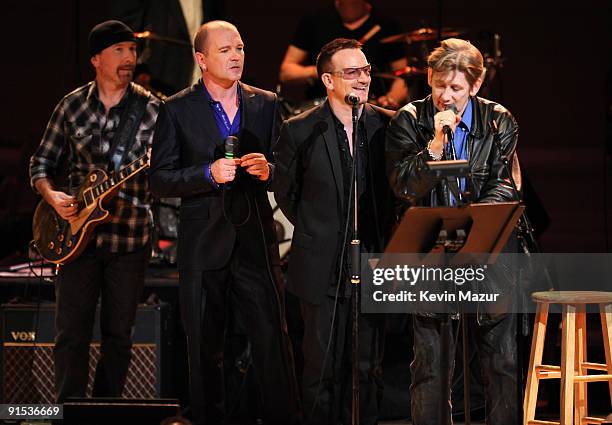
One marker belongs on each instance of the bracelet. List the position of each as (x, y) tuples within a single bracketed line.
[(431, 154)]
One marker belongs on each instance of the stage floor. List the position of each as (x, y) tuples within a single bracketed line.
[(407, 422)]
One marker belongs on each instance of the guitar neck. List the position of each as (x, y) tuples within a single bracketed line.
[(118, 178)]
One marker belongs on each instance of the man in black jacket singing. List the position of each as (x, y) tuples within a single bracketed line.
[(416, 135), (313, 188)]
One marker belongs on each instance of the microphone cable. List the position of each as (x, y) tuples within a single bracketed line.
[(230, 144), (282, 323), (24, 381), (339, 279), (225, 210), (284, 337), (236, 405)]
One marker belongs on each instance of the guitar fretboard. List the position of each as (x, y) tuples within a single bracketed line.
[(119, 177)]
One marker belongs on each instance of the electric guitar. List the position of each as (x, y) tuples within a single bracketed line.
[(60, 241)]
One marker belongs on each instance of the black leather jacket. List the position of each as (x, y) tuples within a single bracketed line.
[(406, 153)]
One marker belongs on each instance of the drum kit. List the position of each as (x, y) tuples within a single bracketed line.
[(419, 39), (416, 43)]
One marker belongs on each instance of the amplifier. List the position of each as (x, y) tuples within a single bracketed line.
[(26, 353)]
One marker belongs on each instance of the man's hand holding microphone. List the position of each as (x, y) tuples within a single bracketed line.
[(223, 170), (444, 122)]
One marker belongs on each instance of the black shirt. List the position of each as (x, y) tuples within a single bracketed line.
[(346, 161), (314, 31)]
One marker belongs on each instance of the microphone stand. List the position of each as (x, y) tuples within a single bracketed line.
[(450, 146), (464, 328), (355, 272), (529, 243)]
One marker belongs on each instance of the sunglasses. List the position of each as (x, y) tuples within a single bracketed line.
[(353, 73)]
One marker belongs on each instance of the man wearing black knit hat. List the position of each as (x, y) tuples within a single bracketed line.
[(105, 124)]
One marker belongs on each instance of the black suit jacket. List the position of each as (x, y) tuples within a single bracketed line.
[(308, 187), (187, 140)]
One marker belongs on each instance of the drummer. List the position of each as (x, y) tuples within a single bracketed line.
[(352, 19)]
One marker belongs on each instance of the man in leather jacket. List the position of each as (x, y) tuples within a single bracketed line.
[(415, 136)]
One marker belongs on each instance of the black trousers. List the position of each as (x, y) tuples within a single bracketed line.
[(207, 298), (118, 280), (433, 364), (327, 401)]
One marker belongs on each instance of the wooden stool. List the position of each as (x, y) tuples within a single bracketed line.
[(574, 365)]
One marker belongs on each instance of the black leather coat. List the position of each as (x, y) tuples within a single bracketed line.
[(406, 153)]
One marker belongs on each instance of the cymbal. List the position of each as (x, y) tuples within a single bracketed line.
[(406, 72), (422, 34), (149, 35)]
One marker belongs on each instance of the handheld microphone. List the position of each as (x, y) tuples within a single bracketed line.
[(230, 144), (449, 133), (446, 129), (351, 99)]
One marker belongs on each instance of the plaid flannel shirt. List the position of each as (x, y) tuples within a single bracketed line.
[(78, 138)]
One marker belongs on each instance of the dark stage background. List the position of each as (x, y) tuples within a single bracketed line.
[(556, 81)]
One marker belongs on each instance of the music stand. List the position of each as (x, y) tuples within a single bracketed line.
[(467, 229), (451, 170)]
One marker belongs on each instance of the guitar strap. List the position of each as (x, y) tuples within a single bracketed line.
[(128, 125)]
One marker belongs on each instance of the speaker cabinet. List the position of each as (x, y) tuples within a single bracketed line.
[(26, 353)]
